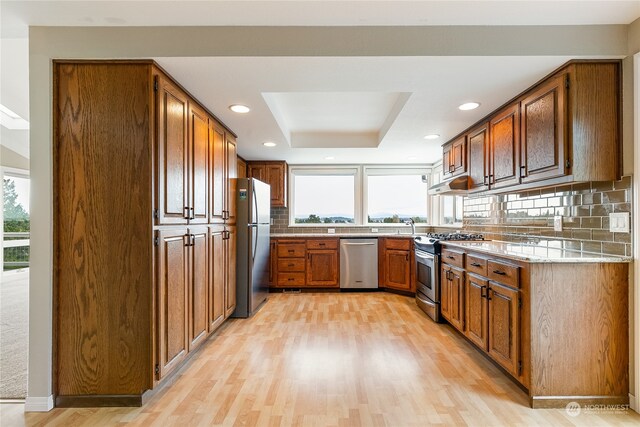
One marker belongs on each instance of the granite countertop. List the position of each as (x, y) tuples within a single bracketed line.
[(344, 235), (535, 253)]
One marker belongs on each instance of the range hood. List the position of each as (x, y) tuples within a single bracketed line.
[(457, 185)]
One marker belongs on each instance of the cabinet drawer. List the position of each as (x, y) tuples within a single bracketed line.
[(477, 264), (402, 244), (501, 272), (290, 279), (452, 257), (291, 250), (322, 244), (291, 264)]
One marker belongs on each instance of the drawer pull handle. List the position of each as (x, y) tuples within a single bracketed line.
[(483, 294), (321, 244), (289, 265), (451, 257), (502, 273), (291, 251), (290, 279), (475, 264)]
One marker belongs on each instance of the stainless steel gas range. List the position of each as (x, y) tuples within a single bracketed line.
[(427, 254)]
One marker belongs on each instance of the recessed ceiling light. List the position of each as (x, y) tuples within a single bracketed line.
[(239, 108), (469, 106), (269, 144), (432, 136), (329, 158)]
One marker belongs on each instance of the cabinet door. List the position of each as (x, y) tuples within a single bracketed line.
[(217, 260), (322, 267), (199, 165), (257, 171), (458, 156), (504, 151), (447, 161), (173, 255), (478, 158), (173, 154), (242, 168), (273, 262), (476, 310), (543, 132), (217, 185), (198, 284), (276, 179), (398, 269), (456, 299), (445, 292), (503, 326), (231, 178), (230, 268)]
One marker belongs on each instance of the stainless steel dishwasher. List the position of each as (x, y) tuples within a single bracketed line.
[(358, 263)]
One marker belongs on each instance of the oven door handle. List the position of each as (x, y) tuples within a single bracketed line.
[(425, 301)]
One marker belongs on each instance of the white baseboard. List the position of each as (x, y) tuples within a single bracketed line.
[(633, 403), (38, 404)]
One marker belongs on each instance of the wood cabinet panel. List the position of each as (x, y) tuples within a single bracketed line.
[(173, 299), (476, 307), (322, 244), (476, 264), (504, 132), (103, 253), (505, 273), (454, 158), (292, 250), (398, 269), (478, 140), (242, 168), (273, 262), (543, 142), (198, 286), (291, 264), (217, 174), (230, 257), (217, 278), (291, 279), (231, 177), (403, 244), (273, 173), (456, 298), (445, 292), (322, 268), (198, 165), (173, 162), (453, 257), (503, 326)]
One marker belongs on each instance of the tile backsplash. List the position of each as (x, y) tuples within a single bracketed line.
[(280, 217), (527, 216)]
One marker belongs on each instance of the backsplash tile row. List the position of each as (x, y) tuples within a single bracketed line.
[(280, 225), (528, 216)]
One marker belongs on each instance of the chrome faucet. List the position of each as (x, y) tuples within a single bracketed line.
[(412, 223)]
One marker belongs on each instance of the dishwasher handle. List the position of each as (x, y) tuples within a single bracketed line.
[(357, 244)]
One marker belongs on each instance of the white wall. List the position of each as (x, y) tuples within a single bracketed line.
[(47, 43)]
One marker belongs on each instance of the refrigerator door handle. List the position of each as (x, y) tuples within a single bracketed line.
[(254, 211)]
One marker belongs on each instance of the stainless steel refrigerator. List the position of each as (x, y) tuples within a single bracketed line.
[(253, 218)]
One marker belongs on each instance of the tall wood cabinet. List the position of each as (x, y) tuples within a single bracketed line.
[(144, 235)]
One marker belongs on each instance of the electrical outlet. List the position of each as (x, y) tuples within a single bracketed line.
[(619, 222), (331, 230), (557, 223), (374, 230), (271, 221)]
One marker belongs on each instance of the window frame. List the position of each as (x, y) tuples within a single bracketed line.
[(360, 173), (437, 201), (380, 170), (303, 170)]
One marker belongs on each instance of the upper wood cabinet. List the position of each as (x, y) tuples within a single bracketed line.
[(564, 129), (543, 131), (454, 158), (273, 173), (478, 141), (198, 131), (174, 199), (504, 149), (242, 168), (224, 164)]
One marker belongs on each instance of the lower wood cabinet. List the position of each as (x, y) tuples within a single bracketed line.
[(503, 324), (300, 262), (173, 293), (198, 286), (217, 276), (476, 307), (452, 295), (396, 263), (230, 264)]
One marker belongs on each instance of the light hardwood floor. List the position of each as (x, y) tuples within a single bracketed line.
[(331, 359)]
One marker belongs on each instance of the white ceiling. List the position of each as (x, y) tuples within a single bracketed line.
[(386, 104)]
